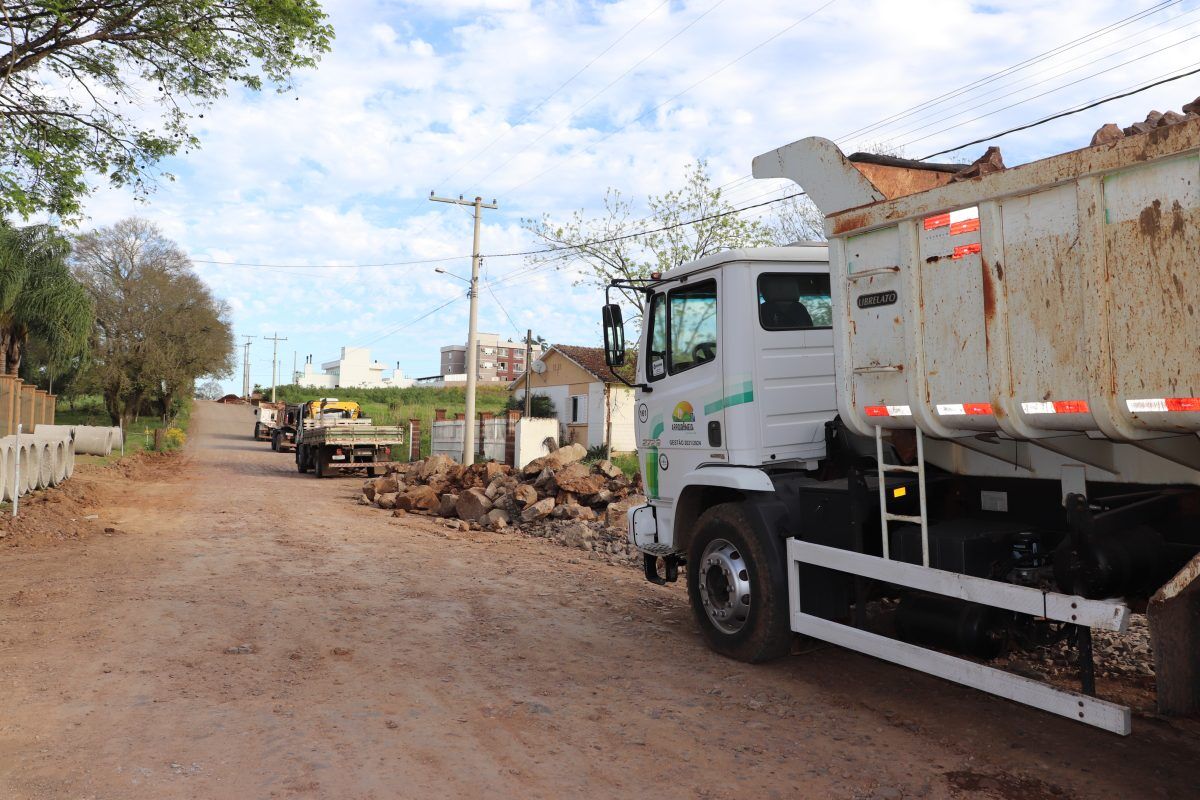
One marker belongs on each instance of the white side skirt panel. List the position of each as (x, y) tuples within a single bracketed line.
[(1109, 615), (1072, 705), (1101, 614)]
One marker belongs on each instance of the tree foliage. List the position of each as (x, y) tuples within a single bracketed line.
[(158, 328), (40, 300), (798, 220), (608, 250), (79, 78)]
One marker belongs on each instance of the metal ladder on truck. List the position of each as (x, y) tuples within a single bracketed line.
[(884, 515), (1108, 615)]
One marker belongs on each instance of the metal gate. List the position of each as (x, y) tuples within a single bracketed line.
[(446, 438)]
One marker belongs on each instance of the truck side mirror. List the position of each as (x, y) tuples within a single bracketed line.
[(614, 335)]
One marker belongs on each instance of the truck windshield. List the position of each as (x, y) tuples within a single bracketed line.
[(794, 301)]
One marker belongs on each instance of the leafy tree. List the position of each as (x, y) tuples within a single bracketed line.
[(541, 406), (79, 77), (158, 328), (798, 220), (210, 390), (609, 251), (40, 299)]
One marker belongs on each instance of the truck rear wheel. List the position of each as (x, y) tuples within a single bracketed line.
[(737, 583), (318, 464), (301, 466), (275, 441), (257, 430)]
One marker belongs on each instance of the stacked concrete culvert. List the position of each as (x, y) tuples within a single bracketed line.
[(94, 441)]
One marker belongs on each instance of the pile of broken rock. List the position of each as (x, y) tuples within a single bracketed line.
[(556, 487)]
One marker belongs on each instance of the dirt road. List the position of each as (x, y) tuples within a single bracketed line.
[(390, 658)]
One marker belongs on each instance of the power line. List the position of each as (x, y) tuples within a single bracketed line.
[(413, 262), (1036, 96), (1009, 70), (1067, 113)]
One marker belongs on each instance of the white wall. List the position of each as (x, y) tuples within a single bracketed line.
[(621, 411), (561, 397), (597, 418), (531, 434)]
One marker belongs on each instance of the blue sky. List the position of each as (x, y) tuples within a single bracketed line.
[(451, 96)]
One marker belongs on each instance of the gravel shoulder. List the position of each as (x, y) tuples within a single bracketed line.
[(244, 631)]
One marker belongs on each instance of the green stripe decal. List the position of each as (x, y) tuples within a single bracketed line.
[(746, 395)]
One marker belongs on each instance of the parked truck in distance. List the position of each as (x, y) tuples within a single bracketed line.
[(966, 426), (332, 436), (266, 419)]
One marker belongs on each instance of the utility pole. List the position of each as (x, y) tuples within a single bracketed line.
[(246, 368), (274, 359), (528, 363), (293, 380), (472, 345)]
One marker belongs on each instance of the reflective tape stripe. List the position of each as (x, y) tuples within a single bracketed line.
[(964, 250), (964, 409), (888, 411), (965, 220), (939, 221), (1163, 404), (1057, 407)]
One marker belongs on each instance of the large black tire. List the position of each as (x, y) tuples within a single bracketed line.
[(737, 583), (318, 464), (300, 465), (275, 441), (257, 429)]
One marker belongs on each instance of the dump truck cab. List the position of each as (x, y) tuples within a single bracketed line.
[(722, 401)]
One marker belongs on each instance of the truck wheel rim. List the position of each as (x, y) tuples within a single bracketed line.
[(724, 586)]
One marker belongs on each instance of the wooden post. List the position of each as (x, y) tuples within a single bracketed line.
[(39, 406), (1174, 614), (51, 408), (28, 401), (9, 402)]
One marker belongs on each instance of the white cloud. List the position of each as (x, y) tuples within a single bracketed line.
[(440, 94)]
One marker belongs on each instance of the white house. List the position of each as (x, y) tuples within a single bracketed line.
[(353, 370), (592, 405)]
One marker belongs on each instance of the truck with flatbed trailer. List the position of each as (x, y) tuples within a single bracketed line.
[(966, 425), (332, 437)]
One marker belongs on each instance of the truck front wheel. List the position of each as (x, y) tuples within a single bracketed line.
[(301, 459), (737, 583)]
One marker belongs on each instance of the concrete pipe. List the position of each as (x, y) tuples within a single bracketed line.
[(6, 471), (45, 476), (69, 461), (118, 439), (58, 452), (55, 431), (31, 465), (93, 441)]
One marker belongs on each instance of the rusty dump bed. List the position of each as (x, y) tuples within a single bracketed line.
[(1059, 296)]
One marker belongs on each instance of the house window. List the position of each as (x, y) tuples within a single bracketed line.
[(502, 366), (579, 409)]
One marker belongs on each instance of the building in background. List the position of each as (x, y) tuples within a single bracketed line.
[(499, 361), (593, 406), (353, 370)]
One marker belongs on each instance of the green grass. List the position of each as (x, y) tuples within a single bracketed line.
[(628, 463), (397, 406), (89, 410)]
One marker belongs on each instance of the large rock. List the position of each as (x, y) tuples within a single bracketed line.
[(368, 490), (472, 505), (494, 469), (573, 512), (609, 469), (525, 494), (419, 498), (579, 479), (439, 483), (1107, 134), (436, 464), (497, 519), (386, 499), (448, 505), (556, 460), (386, 484), (539, 510), (615, 514), (576, 534), (499, 485)]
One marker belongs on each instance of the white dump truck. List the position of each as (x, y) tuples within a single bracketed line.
[(967, 425)]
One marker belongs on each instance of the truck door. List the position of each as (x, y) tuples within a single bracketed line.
[(684, 414)]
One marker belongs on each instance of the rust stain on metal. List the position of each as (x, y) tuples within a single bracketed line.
[(849, 223), (1150, 219), (1178, 224)]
